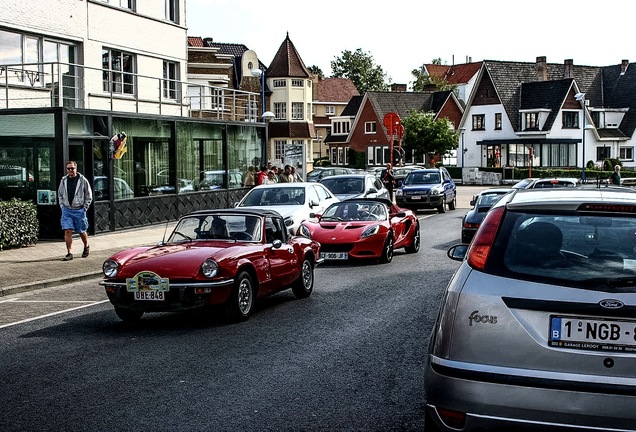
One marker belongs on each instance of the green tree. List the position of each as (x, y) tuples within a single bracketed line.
[(427, 136), (423, 80), (316, 71), (360, 68)]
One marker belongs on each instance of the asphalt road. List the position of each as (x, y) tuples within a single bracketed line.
[(349, 358)]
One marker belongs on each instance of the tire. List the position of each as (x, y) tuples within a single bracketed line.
[(442, 208), (387, 250), (414, 247), (304, 285), (240, 305), (128, 315), (453, 204)]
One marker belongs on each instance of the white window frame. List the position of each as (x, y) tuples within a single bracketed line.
[(297, 111), (280, 110), (279, 149), (280, 83), (626, 153), (171, 80), (370, 127), (330, 110), (118, 77), (172, 11), (297, 83)]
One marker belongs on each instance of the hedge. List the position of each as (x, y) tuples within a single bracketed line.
[(19, 224)]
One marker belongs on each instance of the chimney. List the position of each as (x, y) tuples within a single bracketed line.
[(542, 69), (395, 88), (624, 64), (568, 67)]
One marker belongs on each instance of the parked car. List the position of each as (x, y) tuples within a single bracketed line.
[(545, 183), (321, 172), (294, 201), (14, 175), (213, 179), (431, 188), (400, 173), (347, 186), (225, 257), (536, 327), (481, 203), (364, 228), (121, 188)]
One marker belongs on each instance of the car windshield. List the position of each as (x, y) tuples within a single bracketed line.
[(358, 211), (344, 185), (574, 249), (274, 196), (488, 199), (236, 227), (422, 178)]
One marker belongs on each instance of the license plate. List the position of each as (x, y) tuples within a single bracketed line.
[(150, 295), (592, 334), (334, 255), (415, 197)]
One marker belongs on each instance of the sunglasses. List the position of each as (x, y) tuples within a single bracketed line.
[(70, 168)]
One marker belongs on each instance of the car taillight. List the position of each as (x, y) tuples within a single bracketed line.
[(482, 243), (454, 419), (471, 225)]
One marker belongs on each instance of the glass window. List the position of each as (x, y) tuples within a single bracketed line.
[(370, 127), (297, 83), (172, 10), (17, 171), (602, 153), (626, 153), (531, 121), (171, 80), (244, 145), (280, 83), (479, 122), (297, 110), (570, 119), (280, 110), (497, 121), (118, 71)]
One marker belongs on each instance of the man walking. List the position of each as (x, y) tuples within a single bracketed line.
[(75, 197), (388, 179)]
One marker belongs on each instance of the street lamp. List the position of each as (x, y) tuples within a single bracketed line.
[(581, 98), (462, 130)]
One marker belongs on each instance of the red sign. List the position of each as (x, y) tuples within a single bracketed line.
[(394, 125), (391, 120)]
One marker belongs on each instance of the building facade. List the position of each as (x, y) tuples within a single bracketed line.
[(74, 85)]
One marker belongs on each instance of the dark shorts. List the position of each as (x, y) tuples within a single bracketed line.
[(75, 220)]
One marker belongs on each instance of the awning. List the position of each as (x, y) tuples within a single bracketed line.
[(529, 141)]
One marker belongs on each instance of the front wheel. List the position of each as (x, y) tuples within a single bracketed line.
[(304, 285), (129, 315), (415, 241), (387, 250), (442, 207), (240, 305), (453, 204)]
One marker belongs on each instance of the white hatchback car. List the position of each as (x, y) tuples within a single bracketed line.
[(294, 201), (537, 328)]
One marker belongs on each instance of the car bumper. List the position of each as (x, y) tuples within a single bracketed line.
[(425, 201), (498, 404), (181, 296), (368, 248)]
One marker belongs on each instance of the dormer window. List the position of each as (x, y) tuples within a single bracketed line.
[(531, 121)]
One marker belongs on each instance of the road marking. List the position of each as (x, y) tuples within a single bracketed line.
[(49, 301), (53, 313)]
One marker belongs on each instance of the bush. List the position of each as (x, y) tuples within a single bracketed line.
[(19, 224)]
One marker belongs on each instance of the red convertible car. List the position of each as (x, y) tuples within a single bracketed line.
[(364, 228), (212, 257)]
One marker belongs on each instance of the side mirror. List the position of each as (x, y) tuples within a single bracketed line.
[(457, 252), (313, 203), (472, 202), (372, 191)]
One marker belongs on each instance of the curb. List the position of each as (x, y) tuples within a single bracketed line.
[(16, 289)]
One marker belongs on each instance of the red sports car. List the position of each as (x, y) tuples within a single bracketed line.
[(229, 257), (364, 228)]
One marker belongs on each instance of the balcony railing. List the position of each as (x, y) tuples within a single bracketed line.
[(38, 85)]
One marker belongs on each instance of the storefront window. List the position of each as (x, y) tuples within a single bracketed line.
[(244, 147)]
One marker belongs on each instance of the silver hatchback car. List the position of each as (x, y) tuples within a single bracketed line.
[(537, 328)]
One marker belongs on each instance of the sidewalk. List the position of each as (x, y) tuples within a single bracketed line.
[(41, 265)]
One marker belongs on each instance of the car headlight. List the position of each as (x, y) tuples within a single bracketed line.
[(437, 190), (209, 268), (398, 192), (369, 231), (110, 268), (304, 231)]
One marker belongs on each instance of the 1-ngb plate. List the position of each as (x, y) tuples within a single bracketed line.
[(592, 333), (334, 255)]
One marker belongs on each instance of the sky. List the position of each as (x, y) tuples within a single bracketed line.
[(401, 35)]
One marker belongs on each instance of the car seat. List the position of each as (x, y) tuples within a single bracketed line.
[(219, 228), (539, 245)]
